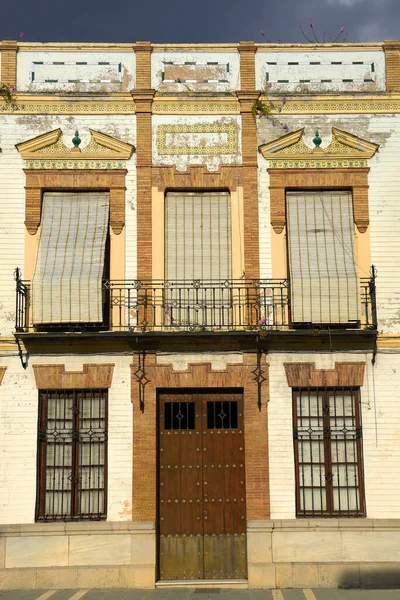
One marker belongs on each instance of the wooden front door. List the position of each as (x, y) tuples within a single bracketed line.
[(202, 501)]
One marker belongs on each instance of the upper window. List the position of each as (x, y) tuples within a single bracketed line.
[(198, 259), (72, 455), (322, 260), (327, 446), (67, 282), (198, 236)]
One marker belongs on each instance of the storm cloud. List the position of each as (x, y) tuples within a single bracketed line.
[(179, 21)]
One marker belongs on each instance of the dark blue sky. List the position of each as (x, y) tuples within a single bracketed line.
[(166, 21)]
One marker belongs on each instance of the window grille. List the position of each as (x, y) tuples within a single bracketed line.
[(72, 455), (328, 453)]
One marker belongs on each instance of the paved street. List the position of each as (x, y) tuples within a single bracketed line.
[(202, 594)]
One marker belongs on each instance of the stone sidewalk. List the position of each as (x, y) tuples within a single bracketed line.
[(201, 594)]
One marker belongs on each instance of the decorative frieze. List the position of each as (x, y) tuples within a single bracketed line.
[(203, 139), (92, 376), (305, 375)]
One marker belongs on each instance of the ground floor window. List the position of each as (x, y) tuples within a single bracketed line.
[(72, 455), (328, 452)]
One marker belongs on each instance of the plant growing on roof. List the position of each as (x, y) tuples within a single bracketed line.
[(312, 37), (7, 93)]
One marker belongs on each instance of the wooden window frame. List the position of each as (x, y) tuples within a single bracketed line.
[(75, 514), (330, 510)]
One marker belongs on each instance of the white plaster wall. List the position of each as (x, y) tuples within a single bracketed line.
[(182, 161), (383, 195), (316, 73), (264, 218), (18, 436), (380, 423), (70, 71), (19, 128), (231, 58)]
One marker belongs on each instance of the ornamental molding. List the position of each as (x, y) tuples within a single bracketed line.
[(40, 180), (58, 106), (318, 179), (92, 376), (344, 151), (228, 146), (50, 146), (305, 375)]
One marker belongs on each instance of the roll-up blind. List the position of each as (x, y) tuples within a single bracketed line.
[(198, 236), (322, 262), (67, 282)]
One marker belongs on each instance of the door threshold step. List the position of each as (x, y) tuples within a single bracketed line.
[(235, 584)]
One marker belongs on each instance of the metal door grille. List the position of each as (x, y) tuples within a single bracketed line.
[(72, 455)]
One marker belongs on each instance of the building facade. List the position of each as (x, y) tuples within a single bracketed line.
[(199, 315)]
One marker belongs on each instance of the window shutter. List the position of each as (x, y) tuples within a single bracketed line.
[(322, 262), (67, 282), (198, 236)]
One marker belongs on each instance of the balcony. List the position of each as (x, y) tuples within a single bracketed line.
[(141, 307)]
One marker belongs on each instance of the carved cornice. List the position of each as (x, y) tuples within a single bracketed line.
[(92, 376), (143, 99), (305, 375), (39, 180), (49, 146), (317, 179), (196, 178), (345, 150)]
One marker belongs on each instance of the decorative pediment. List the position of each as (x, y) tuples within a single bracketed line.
[(344, 150), (51, 149)]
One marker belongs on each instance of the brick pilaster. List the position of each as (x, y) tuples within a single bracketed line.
[(143, 101), (9, 49), (392, 60), (250, 186)]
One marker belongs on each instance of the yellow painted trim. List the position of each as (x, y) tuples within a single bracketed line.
[(32, 149), (387, 340), (367, 148), (8, 344), (279, 149), (123, 150), (27, 149), (309, 48), (278, 254), (117, 267), (201, 47), (363, 252), (237, 224), (158, 212), (158, 225), (31, 250)]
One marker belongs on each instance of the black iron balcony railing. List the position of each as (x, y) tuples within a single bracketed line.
[(196, 306)]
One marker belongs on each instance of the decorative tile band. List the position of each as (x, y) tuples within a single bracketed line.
[(226, 139), (69, 108), (292, 107), (75, 164), (318, 164), (200, 108)]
